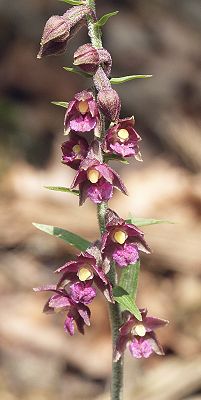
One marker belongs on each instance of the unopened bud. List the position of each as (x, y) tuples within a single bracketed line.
[(109, 102), (88, 58), (55, 36), (59, 29)]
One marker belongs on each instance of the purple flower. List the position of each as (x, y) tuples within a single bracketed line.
[(74, 151), (88, 58), (122, 241), (82, 114), (139, 336), (96, 180), (87, 269), (82, 292), (77, 312), (122, 139)]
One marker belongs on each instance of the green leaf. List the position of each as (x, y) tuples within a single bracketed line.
[(123, 79), (62, 189), (68, 237), (60, 103), (126, 302), (102, 21), (147, 221), (73, 2), (113, 157), (77, 71), (129, 279)]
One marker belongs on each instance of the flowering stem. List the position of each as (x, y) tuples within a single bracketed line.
[(114, 309)]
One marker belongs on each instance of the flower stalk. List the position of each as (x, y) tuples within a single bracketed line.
[(114, 309), (95, 135)]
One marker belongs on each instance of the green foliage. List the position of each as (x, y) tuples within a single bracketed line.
[(62, 189), (123, 79), (146, 221), (60, 103), (77, 71), (68, 237), (102, 21), (73, 2), (115, 157), (129, 279), (126, 302)]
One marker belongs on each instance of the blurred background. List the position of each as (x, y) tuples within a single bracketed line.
[(38, 361)]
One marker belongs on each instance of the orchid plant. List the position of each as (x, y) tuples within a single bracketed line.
[(95, 135)]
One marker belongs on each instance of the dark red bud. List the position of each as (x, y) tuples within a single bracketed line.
[(88, 58), (109, 102)]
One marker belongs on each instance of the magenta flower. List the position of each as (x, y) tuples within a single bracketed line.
[(82, 292), (74, 151), (87, 269), (139, 336), (82, 114), (122, 241), (122, 139), (96, 180), (77, 311)]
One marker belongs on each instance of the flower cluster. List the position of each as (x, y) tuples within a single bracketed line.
[(95, 134), (75, 288)]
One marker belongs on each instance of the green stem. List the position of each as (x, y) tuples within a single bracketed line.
[(114, 309), (115, 321)]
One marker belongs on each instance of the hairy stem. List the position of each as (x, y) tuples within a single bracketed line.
[(114, 309)]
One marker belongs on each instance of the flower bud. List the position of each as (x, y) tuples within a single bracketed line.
[(55, 36), (88, 58), (108, 100), (60, 28)]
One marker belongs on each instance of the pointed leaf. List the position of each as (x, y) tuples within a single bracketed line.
[(126, 302), (73, 2), (60, 103), (147, 221), (102, 21), (62, 189), (68, 237), (123, 79), (129, 279), (77, 71), (108, 157)]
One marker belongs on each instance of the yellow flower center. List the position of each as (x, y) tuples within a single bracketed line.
[(84, 274), (76, 149), (120, 237), (123, 135), (93, 175), (140, 330), (83, 106)]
